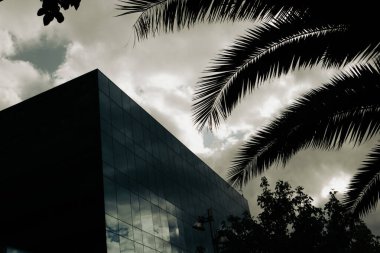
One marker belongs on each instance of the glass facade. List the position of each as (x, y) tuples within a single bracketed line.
[(85, 169), (154, 187)]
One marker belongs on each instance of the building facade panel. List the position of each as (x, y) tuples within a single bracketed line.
[(51, 173)]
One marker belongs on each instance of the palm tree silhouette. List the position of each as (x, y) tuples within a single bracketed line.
[(293, 34)]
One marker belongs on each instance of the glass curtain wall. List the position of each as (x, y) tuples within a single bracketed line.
[(154, 187)]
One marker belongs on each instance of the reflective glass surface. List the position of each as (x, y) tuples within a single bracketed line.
[(154, 187)]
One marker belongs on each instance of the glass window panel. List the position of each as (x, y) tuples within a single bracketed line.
[(159, 244), (137, 235), (104, 107), (154, 198), (112, 243), (120, 158), (147, 142), (164, 225), (135, 211), (148, 250), (144, 192), (108, 171), (126, 102), (170, 207), (107, 149), (175, 249), (125, 230), (106, 127), (167, 248), (146, 216), (103, 83), (173, 228), (156, 221), (118, 135), (131, 167), (181, 231), (126, 246), (129, 143), (117, 116), (148, 240), (139, 151), (115, 94), (110, 197), (112, 224), (128, 127), (137, 132), (140, 169), (139, 248), (124, 205), (162, 203)]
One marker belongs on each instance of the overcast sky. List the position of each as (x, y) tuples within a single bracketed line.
[(160, 74)]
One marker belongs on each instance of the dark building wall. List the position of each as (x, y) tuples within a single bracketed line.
[(50, 176), (155, 188)]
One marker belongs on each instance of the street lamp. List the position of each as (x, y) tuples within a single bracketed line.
[(199, 225)]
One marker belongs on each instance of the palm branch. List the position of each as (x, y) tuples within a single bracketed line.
[(364, 190), (167, 15), (347, 109), (269, 51)]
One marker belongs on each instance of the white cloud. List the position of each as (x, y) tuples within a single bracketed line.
[(7, 46), (20, 80), (338, 182)]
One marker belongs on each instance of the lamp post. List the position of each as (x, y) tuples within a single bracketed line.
[(199, 225)]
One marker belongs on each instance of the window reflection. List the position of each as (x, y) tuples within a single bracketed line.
[(112, 243), (137, 235), (124, 205), (148, 240), (139, 248), (159, 244), (148, 250), (151, 205), (164, 225), (135, 211), (146, 216), (156, 221), (125, 230), (173, 228), (126, 246), (110, 197), (112, 224)]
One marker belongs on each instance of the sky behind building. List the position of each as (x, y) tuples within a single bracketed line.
[(160, 74)]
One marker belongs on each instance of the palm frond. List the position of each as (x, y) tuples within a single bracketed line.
[(264, 52), (364, 189), (347, 109), (167, 15)]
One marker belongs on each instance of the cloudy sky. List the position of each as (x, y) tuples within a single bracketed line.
[(160, 74)]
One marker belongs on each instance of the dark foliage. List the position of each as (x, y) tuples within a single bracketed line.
[(52, 9), (289, 222)]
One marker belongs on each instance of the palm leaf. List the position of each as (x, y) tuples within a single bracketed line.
[(347, 109), (167, 15), (269, 51), (364, 190)]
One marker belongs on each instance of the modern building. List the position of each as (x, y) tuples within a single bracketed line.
[(85, 169)]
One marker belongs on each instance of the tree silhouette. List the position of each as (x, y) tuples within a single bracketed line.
[(51, 9), (293, 34), (289, 222)]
